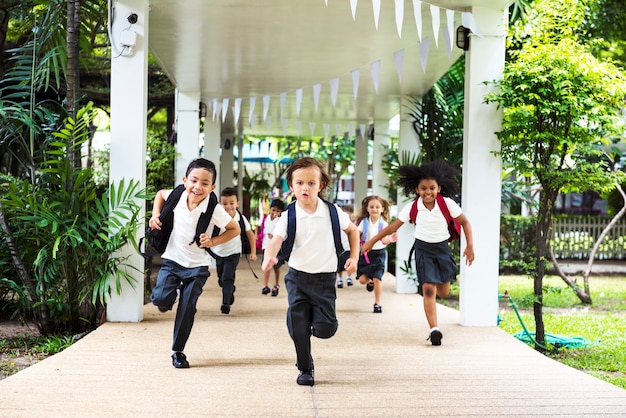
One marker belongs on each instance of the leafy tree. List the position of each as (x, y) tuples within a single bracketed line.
[(560, 105)]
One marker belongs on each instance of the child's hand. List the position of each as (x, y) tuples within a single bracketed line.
[(468, 253), (366, 246), (393, 237), (268, 263), (154, 222), (252, 257), (351, 265), (205, 241)]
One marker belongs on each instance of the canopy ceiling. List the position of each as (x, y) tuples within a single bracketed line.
[(243, 49)]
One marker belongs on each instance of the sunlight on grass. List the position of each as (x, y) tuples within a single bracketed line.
[(602, 324)]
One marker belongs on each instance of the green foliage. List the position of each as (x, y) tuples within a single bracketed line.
[(70, 235), (159, 162), (517, 244)]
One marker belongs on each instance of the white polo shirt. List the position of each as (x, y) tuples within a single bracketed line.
[(184, 231), (314, 244), (430, 225), (234, 245)]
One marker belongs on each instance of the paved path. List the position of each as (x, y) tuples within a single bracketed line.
[(242, 365)]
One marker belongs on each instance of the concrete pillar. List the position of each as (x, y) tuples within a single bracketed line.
[(407, 141), (382, 139), (482, 170), (188, 131), (129, 92)]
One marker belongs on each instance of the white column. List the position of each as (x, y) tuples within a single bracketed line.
[(381, 142), (129, 92), (408, 141), (360, 169), (212, 139), (187, 131), (482, 170)]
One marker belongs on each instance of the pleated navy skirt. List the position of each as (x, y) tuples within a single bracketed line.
[(434, 262)]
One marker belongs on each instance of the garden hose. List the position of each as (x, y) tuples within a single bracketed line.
[(555, 340)]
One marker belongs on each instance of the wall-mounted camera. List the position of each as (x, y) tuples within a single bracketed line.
[(132, 18)]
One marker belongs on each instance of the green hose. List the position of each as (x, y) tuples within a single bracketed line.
[(555, 340)]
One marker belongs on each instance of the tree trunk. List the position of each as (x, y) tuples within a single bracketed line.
[(72, 72)]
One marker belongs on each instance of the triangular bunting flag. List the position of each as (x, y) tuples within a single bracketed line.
[(251, 114), (468, 21), (266, 106), (298, 101), (284, 123), (316, 94), (356, 74), (237, 109), (283, 99), (224, 109), (424, 52), (299, 126), (417, 13), (326, 130), (334, 89), (399, 16), (268, 122), (375, 70), (376, 8), (434, 12), (353, 8), (450, 22), (312, 128), (398, 58)]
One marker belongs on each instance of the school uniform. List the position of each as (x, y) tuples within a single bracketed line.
[(433, 258), (227, 260), (375, 264), (185, 267), (310, 281)]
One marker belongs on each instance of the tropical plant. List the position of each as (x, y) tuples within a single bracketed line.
[(65, 236), (560, 104)]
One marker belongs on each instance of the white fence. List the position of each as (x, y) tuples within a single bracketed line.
[(574, 236)]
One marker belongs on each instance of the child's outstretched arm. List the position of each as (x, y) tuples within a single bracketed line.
[(468, 253), (232, 230), (353, 237), (388, 230), (271, 251), (159, 201)]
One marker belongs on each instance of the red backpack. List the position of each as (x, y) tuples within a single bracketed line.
[(453, 226)]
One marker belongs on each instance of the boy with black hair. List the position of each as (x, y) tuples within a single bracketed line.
[(227, 255), (268, 224), (185, 260)]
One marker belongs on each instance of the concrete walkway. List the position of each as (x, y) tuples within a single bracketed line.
[(242, 365)]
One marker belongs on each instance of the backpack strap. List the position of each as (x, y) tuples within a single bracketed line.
[(443, 207), (413, 212), (287, 245), (205, 219)]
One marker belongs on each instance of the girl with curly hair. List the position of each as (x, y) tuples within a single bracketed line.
[(433, 259)]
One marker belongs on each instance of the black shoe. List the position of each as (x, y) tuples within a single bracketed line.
[(370, 286), (339, 283), (179, 360), (265, 290), (225, 309), (378, 308), (435, 337), (275, 290), (305, 378), (349, 281), (162, 309)]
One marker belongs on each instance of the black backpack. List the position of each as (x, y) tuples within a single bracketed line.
[(158, 238), (287, 245), (245, 242)]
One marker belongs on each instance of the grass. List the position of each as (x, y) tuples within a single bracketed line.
[(21, 351), (602, 325)]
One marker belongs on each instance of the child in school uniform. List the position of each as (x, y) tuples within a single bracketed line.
[(269, 223), (310, 281), (186, 262), (433, 259), (372, 218), (227, 255)]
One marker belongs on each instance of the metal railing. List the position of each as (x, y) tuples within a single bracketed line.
[(573, 237)]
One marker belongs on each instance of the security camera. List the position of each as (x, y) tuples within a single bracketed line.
[(132, 18)]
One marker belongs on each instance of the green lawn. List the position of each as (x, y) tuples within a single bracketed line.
[(602, 325)]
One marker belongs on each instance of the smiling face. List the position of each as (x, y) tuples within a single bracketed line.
[(306, 186), (198, 184), (428, 189), (230, 203), (374, 209)]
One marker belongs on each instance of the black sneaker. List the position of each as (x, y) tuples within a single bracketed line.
[(339, 283), (435, 337), (265, 290), (179, 360), (305, 378), (225, 309), (378, 308), (349, 281)]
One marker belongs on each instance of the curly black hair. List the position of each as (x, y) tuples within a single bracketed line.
[(439, 170)]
